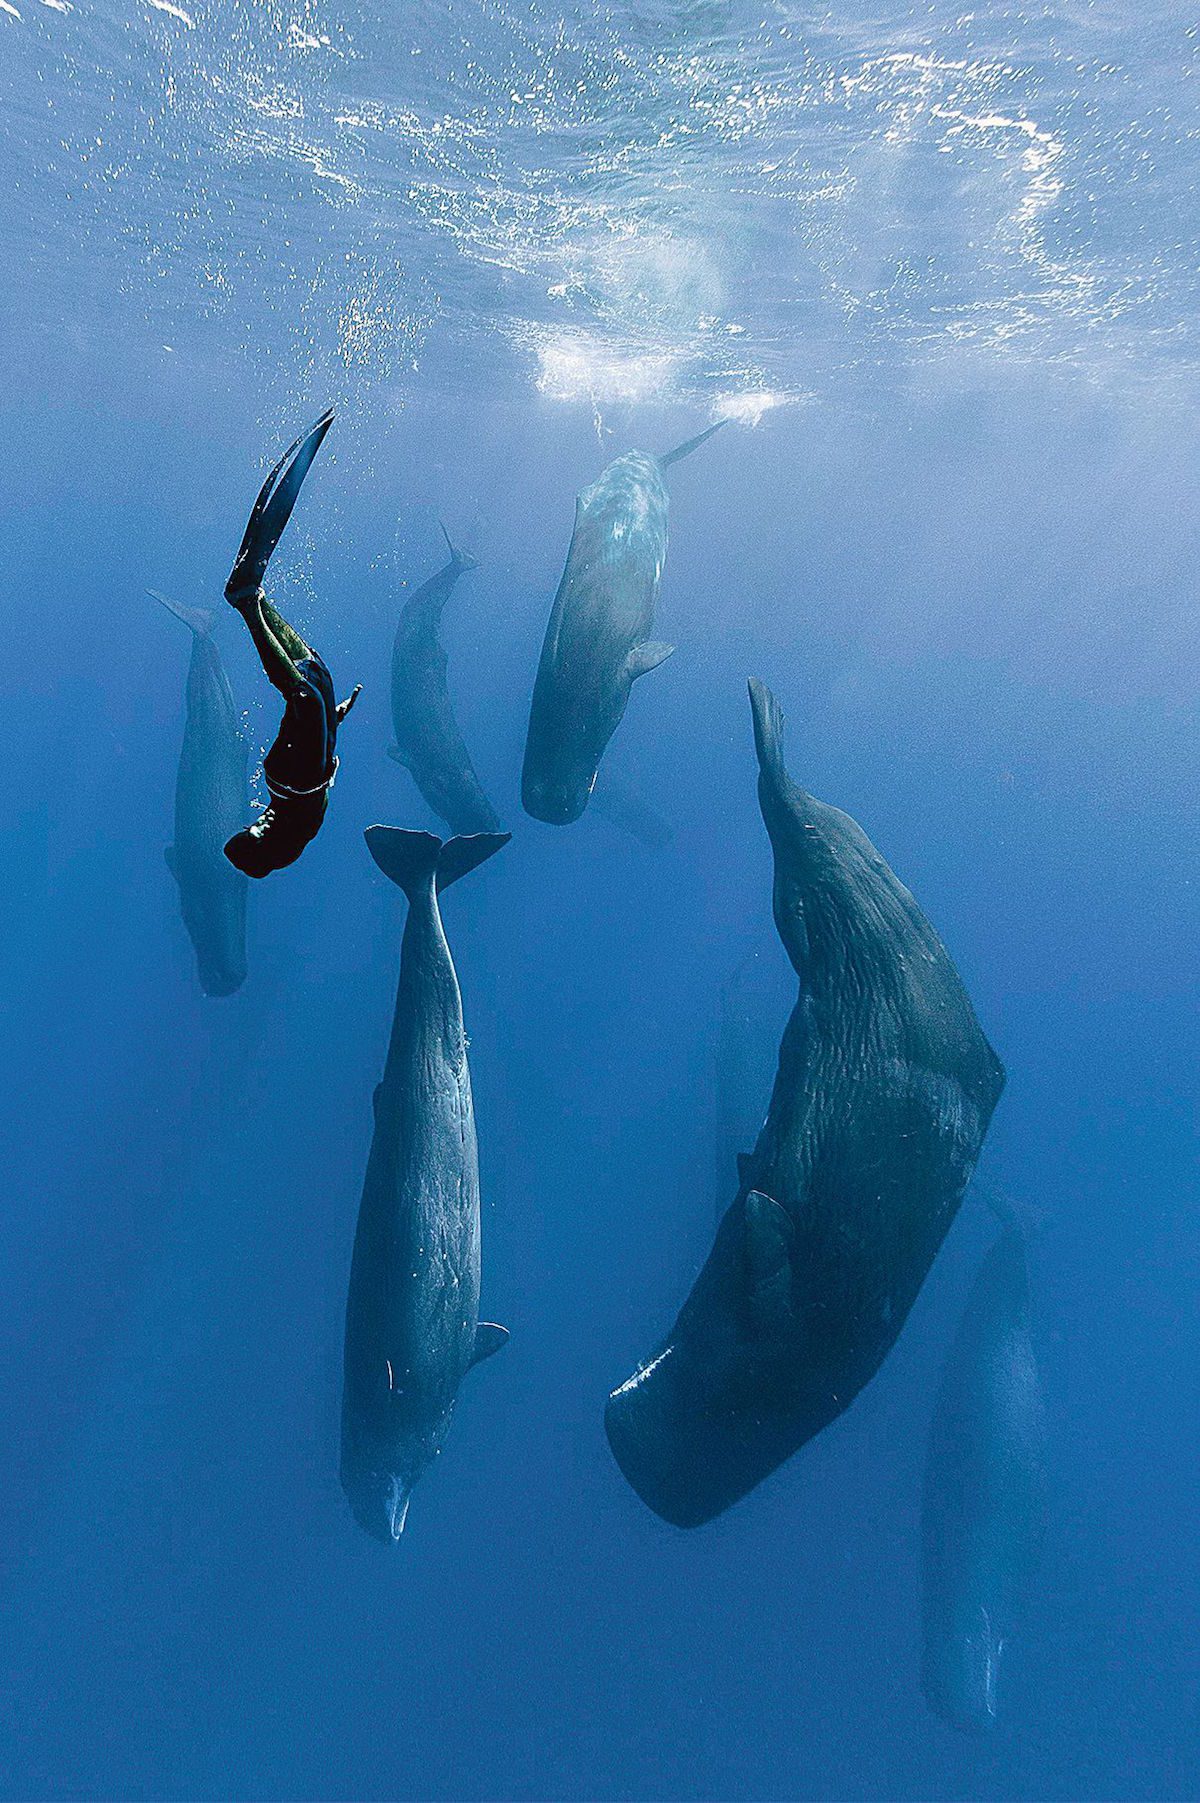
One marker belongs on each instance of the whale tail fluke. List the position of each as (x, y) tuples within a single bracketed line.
[(200, 619), (690, 444), (409, 859), (462, 560), (768, 729)]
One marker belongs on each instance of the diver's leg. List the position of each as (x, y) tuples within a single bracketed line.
[(260, 617), (287, 635)]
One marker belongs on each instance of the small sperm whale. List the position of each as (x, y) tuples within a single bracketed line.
[(412, 1313), (883, 1094), (428, 740), (629, 810), (210, 799), (984, 1512), (598, 640)]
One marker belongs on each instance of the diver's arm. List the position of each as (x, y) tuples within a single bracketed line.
[(343, 707)]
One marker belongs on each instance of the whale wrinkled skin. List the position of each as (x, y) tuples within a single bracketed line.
[(598, 640), (428, 740), (412, 1311), (983, 1517), (210, 802), (884, 1091)]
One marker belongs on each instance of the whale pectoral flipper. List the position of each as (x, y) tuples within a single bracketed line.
[(489, 1338), (644, 658), (768, 1250)]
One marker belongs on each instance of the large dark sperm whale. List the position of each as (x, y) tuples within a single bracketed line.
[(598, 638), (210, 800), (412, 1313), (752, 1004), (428, 740), (984, 1509), (884, 1091)]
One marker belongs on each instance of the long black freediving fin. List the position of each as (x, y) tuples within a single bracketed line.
[(273, 508)]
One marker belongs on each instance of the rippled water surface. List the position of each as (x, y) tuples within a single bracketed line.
[(618, 200)]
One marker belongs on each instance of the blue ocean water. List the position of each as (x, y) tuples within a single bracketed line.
[(940, 269)]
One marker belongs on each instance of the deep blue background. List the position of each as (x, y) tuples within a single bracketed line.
[(986, 658), (972, 584)]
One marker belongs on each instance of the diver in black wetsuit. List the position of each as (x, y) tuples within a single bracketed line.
[(300, 767)]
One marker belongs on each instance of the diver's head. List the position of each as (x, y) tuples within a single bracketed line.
[(278, 836)]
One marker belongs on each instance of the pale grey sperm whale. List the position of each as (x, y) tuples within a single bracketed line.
[(412, 1312), (985, 1501), (210, 800), (428, 740), (598, 639)]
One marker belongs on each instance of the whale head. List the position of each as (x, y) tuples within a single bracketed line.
[(961, 1669), (380, 1502), (222, 973), (213, 904), (705, 1419), (558, 797)]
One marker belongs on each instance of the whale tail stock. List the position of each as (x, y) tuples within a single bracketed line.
[(690, 444), (462, 560), (409, 859), (200, 619), (768, 730)]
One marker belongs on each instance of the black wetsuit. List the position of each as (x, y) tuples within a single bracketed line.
[(298, 771)]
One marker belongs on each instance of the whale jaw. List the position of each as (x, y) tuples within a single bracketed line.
[(379, 1502), (398, 1501)]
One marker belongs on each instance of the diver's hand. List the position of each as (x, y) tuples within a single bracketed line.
[(343, 707)]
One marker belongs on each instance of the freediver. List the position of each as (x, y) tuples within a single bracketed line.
[(300, 766)]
